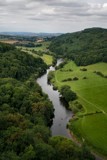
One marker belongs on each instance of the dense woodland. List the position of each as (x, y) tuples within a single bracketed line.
[(19, 65), (26, 113), (19, 38), (85, 47)]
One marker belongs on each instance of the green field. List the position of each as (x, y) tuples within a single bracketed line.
[(41, 48), (92, 94), (46, 57)]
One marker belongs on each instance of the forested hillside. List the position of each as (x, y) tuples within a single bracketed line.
[(26, 113), (85, 47), (17, 64), (6, 47)]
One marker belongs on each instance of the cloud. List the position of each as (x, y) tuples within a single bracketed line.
[(52, 14)]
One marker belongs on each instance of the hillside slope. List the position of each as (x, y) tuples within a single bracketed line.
[(85, 47), (17, 64), (26, 112)]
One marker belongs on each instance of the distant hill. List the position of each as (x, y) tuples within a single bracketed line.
[(30, 34), (85, 47)]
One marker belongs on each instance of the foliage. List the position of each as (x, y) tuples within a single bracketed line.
[(54, 61), (83, 69), (26, 113), (100, 74), (50, 76), (75, 106), (85, 47), (27, 44), (20, 38), (22, 65), (61, 65), (65, 149), (24, 98), (67, 93), (92, 95), (6, 47)]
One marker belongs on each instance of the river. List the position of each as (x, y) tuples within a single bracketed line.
[(62, 115)]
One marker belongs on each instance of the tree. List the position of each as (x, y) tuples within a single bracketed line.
[(29, 153), (67, 93)]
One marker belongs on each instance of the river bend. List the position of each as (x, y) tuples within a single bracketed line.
[(62, 115)]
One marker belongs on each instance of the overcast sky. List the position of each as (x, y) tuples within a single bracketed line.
[(52, 15)]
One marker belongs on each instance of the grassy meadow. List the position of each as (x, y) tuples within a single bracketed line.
[(92, 94), (39, 48), (32, 51), (47, 59), (43, 47), (8, 41)]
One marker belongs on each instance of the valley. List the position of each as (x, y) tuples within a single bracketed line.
[(53, 80), (91, 121), (80, 80)]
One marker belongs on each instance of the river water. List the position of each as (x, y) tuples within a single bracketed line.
[(62, 115)]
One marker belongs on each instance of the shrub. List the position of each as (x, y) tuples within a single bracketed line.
[(76, 106), (67, 93), (50, 76), (75, 79), (84, 77), (83, 69)]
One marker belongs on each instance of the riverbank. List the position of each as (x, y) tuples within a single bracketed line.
[(74, 138), (62, 115), (94, 106)]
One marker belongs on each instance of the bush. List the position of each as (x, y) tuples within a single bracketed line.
[(100, 74), (67, 93), (84, 77), (75, 79), (68, 79), (83, 69), (76, 106), (50, 76), (55, 87)]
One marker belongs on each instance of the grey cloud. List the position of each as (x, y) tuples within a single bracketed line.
[(46, 11), (61, 3), (38, 19), (73, 4), (3, 3)]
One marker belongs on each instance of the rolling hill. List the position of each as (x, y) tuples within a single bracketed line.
[(85, 47)]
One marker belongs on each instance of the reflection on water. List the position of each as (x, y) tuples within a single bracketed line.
[(62, 115)]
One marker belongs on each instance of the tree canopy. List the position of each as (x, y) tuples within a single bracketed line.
[(85, 47), (67, 93), (20, 65), (26, 112)]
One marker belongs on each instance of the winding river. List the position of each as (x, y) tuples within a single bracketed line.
[(62, 115)]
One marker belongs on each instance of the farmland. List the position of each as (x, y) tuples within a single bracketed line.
[(43, 47), (91, 124), (47, 59), (8, 41), (26, 112), (41, 52)]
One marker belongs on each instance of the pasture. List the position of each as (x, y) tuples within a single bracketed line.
[(43, 47), (91, 90), (47, 59), (42, 50), (8, 41)]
